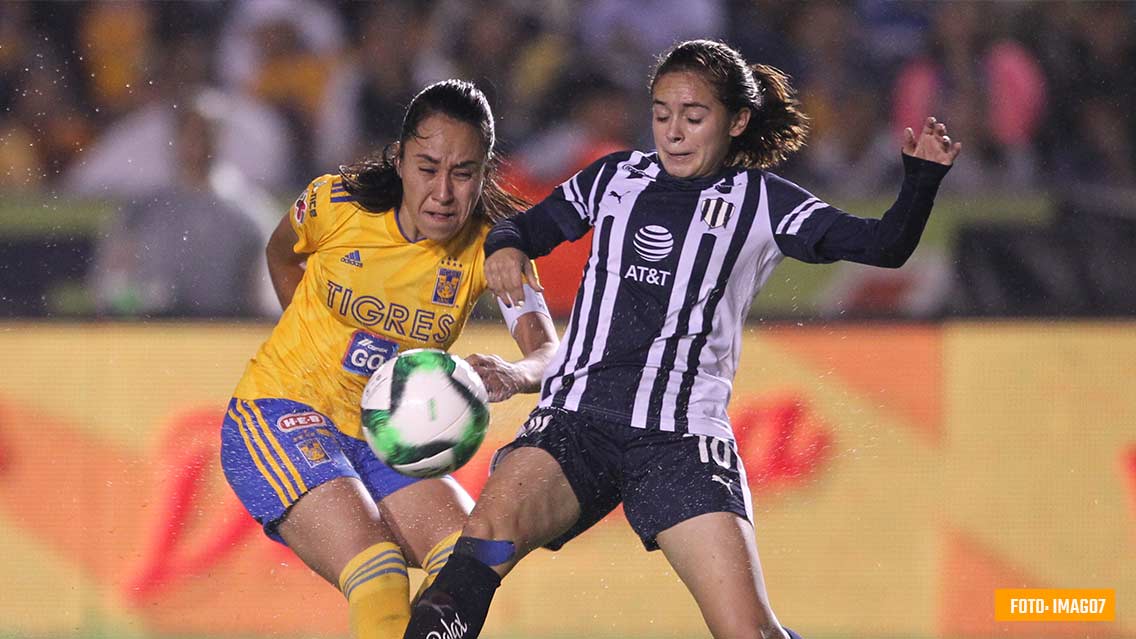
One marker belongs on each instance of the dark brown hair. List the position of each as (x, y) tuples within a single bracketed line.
[(777, 126), (375, 183)]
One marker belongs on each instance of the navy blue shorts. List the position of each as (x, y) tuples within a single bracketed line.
[(273, 451), (663, 478)]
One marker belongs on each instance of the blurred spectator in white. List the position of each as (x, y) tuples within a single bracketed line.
[(240, 53), (135, 155), (287, 53), (987, 84), (190, 248)]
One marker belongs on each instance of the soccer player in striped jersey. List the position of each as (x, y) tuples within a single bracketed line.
[(386, 256), (633, 405)]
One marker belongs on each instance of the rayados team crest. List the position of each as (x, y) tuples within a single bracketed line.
[(716, 212), (448, 282)]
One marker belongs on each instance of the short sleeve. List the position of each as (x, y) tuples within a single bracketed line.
[(312, 214), (570, 205), (566, 214)]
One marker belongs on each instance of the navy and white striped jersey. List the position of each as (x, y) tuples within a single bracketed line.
[(655, 333)]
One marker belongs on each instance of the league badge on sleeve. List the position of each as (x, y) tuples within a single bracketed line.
[(447, 283), (300, 208)]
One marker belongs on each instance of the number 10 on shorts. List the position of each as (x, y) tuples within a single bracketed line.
[(716, 448)]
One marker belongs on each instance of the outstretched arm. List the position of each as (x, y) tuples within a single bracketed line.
[(890, 240), (285, 266)]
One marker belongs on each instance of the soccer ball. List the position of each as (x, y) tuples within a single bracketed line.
[(425, 412)]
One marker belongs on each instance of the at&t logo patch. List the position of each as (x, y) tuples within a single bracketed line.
[(652, 244)]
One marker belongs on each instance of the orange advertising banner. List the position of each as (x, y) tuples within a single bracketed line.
[(903, 477)]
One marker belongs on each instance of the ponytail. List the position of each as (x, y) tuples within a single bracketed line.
[(777, 126)]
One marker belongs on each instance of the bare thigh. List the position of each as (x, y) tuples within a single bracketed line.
[(715, 555), (424, 513), (331, 524), (527, 501)]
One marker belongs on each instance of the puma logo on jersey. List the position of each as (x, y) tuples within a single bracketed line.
[(618, 196)]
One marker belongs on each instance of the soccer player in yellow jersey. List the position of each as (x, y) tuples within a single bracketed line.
[(384, 257)]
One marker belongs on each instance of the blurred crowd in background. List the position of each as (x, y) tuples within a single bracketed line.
[(199, 119)]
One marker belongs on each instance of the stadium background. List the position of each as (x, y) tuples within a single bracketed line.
[(914, 438)]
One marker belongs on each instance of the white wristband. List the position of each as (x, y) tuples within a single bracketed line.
[(534, 303)]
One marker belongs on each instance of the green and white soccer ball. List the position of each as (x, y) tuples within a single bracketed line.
[(425, 412)]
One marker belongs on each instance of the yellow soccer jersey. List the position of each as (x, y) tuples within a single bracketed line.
[(367, 294)]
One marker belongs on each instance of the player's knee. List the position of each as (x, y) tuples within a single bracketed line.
[(487, 526), (493, 519)]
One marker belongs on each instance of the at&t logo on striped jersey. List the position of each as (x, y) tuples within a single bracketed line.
[(653, 244)]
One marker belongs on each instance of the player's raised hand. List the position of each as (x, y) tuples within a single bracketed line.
[(932, 143), (506, 272), (502, 379)]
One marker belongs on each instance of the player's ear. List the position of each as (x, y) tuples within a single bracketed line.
[(739, 122), (396, 149)]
